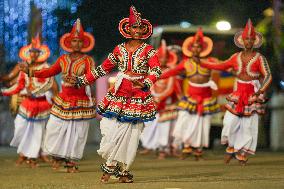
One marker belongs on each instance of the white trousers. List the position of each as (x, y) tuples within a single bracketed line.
[(66, 138), (120, 141), (192, 129), (156, 135), (28, 136), (240, 132)]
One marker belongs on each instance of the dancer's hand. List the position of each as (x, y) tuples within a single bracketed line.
[(196, 59), (29, 93), (70, 80), (24, 67), (138, 84), (257, 93)]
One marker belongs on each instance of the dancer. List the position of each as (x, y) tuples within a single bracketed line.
[(34, 109), (67, 127), (156, 135), (129, 103), (10, 80), (247, 101), (195, 109)]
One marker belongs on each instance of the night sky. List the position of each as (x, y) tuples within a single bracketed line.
[(104, 16)]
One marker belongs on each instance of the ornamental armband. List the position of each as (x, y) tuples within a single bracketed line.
[(81, 81)]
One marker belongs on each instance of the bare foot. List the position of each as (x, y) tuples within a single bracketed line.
[(145, 151), (20, 160), (228, 158)]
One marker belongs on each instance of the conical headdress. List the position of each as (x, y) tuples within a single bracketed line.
[(134, 18), (77, 32), (35, 45), (249, 30)]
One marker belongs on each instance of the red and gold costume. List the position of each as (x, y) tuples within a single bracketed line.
[(247, 101), (67, 128), (242, 101), (34, 109), (125, 102), (193, 123), (72, 103), (198, 99)]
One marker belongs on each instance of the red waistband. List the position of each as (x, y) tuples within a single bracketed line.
[(244, 91), (203, 92)]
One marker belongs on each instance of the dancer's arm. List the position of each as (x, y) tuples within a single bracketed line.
[(95, 73), (17, 87), (47, 72), (216, 65), (173, 72), (265, 71), (155, 69)]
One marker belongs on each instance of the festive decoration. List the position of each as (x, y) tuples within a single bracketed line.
[(15, 18)]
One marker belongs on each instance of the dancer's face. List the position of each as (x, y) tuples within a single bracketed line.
[(196, 49), (34, 55), (248, 42), (76, 44), (136, 31)]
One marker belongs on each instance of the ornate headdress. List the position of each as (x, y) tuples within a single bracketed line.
[(134, 18), (205, 42), (35, 45), (248, 31), (169, 55), (77, 32)]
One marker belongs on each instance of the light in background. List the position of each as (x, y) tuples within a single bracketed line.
[(185, 24), (223, 25), (15, 17)]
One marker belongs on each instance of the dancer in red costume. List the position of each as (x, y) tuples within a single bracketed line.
[(11, 79), (34, 110), (195, 109), (67, 127), (247, 101), (156, 135), (129, 103)]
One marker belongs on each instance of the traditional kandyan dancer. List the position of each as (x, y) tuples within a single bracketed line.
[(129, 103), (247, 101), (196, 107), (34, 110), (11, 79), (67, 127), (156, 136)]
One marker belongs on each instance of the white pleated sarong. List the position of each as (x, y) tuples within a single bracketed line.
[(240, 132), (28, 136), (120, 140), (156, 135), (66, 138), (192, 129)]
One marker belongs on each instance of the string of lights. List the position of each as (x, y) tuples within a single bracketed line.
[(14, 20)]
